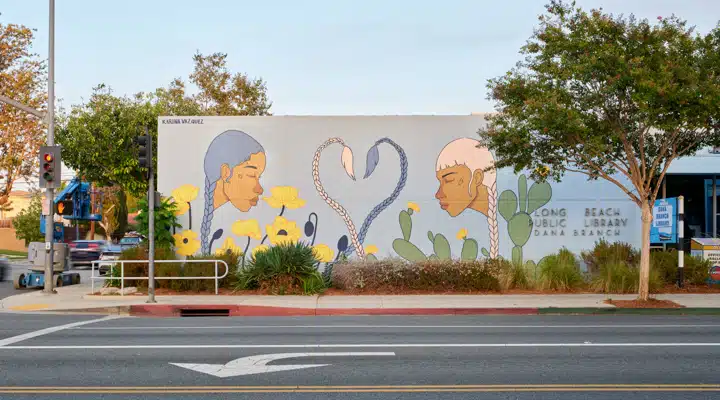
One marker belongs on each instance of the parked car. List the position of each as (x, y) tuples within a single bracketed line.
[(130, 242), (110, 253), (5, 272), (84, 252)]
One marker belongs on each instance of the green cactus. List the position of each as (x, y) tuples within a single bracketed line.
[(441, 246), (408, 251), (516, 210), (406, 223), (469, 250)]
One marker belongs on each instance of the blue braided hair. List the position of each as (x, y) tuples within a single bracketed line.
[(228, 148), (373, 158)]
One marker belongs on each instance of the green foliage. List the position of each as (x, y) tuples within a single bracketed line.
[(591, 85), (181, 268), (398, 276), (27, 222), (561, 271), (619, 277), (140, 269), (165, 221), (282, 269), (514, 275), (519, 223), (97, 137), (665, 263), (605, 252)]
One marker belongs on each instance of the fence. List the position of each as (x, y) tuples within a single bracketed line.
[(123, 278)]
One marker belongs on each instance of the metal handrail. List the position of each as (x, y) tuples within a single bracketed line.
[(122, 276)]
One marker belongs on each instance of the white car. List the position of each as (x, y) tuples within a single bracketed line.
[(110, 253)]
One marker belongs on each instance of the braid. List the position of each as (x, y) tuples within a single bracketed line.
[(207, 215), (390, 199), (332, 203), (492, 221)]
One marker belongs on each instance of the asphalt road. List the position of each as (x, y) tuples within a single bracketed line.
[(495, 357)]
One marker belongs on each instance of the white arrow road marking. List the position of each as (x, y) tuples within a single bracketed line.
[(258, 364)]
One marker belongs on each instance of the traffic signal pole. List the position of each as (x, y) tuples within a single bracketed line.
[(151, 220), (49, 116), (49, 191)]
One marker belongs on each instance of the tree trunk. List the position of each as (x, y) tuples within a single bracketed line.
[(644, 289)]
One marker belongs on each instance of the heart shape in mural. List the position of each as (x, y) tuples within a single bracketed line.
[(346, 159)]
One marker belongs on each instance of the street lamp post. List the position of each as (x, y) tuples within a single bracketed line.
[(50, 116)]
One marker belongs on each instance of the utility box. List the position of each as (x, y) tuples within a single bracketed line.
[(708, 249), (37, 254)]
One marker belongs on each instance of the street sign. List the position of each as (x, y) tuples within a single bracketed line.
[(258, 364), (664, 224)]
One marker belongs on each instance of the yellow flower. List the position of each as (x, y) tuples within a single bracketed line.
[(371, 249), (323, 252), (186, 243), (249, 228), (260, 247), (462, 234), (182, 196), (284, 196), (413, 206), (229, 247), (282, 231)]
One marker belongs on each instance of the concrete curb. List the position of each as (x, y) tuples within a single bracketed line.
[(173, 310), (629, 311)]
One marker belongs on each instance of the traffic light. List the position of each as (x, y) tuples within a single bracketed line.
[(144, 143), (50, 167), (64, 207)]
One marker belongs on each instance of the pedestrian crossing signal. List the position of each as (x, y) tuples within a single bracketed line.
[(64, 207)]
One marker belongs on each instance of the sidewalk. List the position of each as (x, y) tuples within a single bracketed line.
[(76, 298)]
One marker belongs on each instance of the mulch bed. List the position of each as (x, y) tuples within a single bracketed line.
[(651, 303)]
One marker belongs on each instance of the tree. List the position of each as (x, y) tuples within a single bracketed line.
[(97, 137), (114, 212), (98, 140), (222, 93), (610, 97), (22, 78), (165, 222), (27, 222)]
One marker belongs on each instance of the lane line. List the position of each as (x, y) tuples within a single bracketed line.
[(361, 389), (25, 336), (339, 345), (461, 386), (220, 327)]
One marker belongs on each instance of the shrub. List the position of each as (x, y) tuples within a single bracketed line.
[(513, 275), (619, 277), (140, 269), (398, 275), (561, 271), (609, 253), (696, 269), (282, 269)]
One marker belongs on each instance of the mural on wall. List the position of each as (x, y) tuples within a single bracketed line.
[(373, 158), (261, 186), (466, 182)]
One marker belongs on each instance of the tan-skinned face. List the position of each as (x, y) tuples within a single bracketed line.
[(456, 193), (241, 184)]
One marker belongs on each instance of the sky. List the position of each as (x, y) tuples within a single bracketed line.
[(318, 57)]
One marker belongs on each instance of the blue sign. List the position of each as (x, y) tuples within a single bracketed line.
[(664, 223)]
